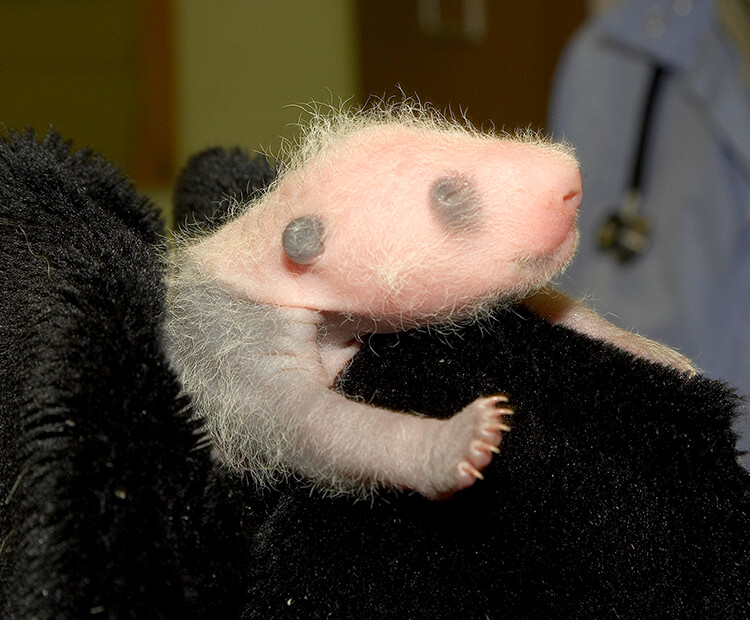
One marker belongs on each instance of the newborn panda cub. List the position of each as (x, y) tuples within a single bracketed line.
[(380, 221)]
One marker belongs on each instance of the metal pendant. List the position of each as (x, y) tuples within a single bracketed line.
[(625, 236)]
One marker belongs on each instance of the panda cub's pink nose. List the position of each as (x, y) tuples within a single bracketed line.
[(573, 199), (573, 190)]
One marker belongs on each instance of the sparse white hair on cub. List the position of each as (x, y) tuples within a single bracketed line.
[(258, 340)]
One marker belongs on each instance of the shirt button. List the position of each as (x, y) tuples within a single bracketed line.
[(655, 26), (682, 7)]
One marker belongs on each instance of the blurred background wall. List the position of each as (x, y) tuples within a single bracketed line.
[(241, 67), (148, 82)]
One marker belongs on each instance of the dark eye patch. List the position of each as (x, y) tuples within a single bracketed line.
[(455, 201), (302, 239)]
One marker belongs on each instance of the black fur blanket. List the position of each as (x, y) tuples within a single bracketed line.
[(616, 495)]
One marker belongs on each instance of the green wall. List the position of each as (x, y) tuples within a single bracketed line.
[(242, 64), (71, 65)]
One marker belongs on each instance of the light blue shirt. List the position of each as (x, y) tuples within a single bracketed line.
[(691, 289)]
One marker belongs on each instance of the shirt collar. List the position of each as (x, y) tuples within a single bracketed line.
[(671, 31), (686, 37)]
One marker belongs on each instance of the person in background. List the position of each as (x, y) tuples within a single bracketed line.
[(655, 97)]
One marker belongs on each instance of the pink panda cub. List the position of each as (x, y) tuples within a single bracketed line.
[(380, 221)]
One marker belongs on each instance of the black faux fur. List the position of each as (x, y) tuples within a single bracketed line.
[(211, 179), (106, 491), (616, 495)]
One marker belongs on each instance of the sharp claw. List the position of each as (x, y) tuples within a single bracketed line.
[(483, 446), (498, 426), (500, 397), (476, 473)]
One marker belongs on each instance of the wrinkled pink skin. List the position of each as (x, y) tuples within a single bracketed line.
[(389, 264)]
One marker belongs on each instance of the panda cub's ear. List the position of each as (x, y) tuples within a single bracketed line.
[(303, 239)]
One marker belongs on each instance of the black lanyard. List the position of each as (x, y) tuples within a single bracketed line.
[(625, 233)]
